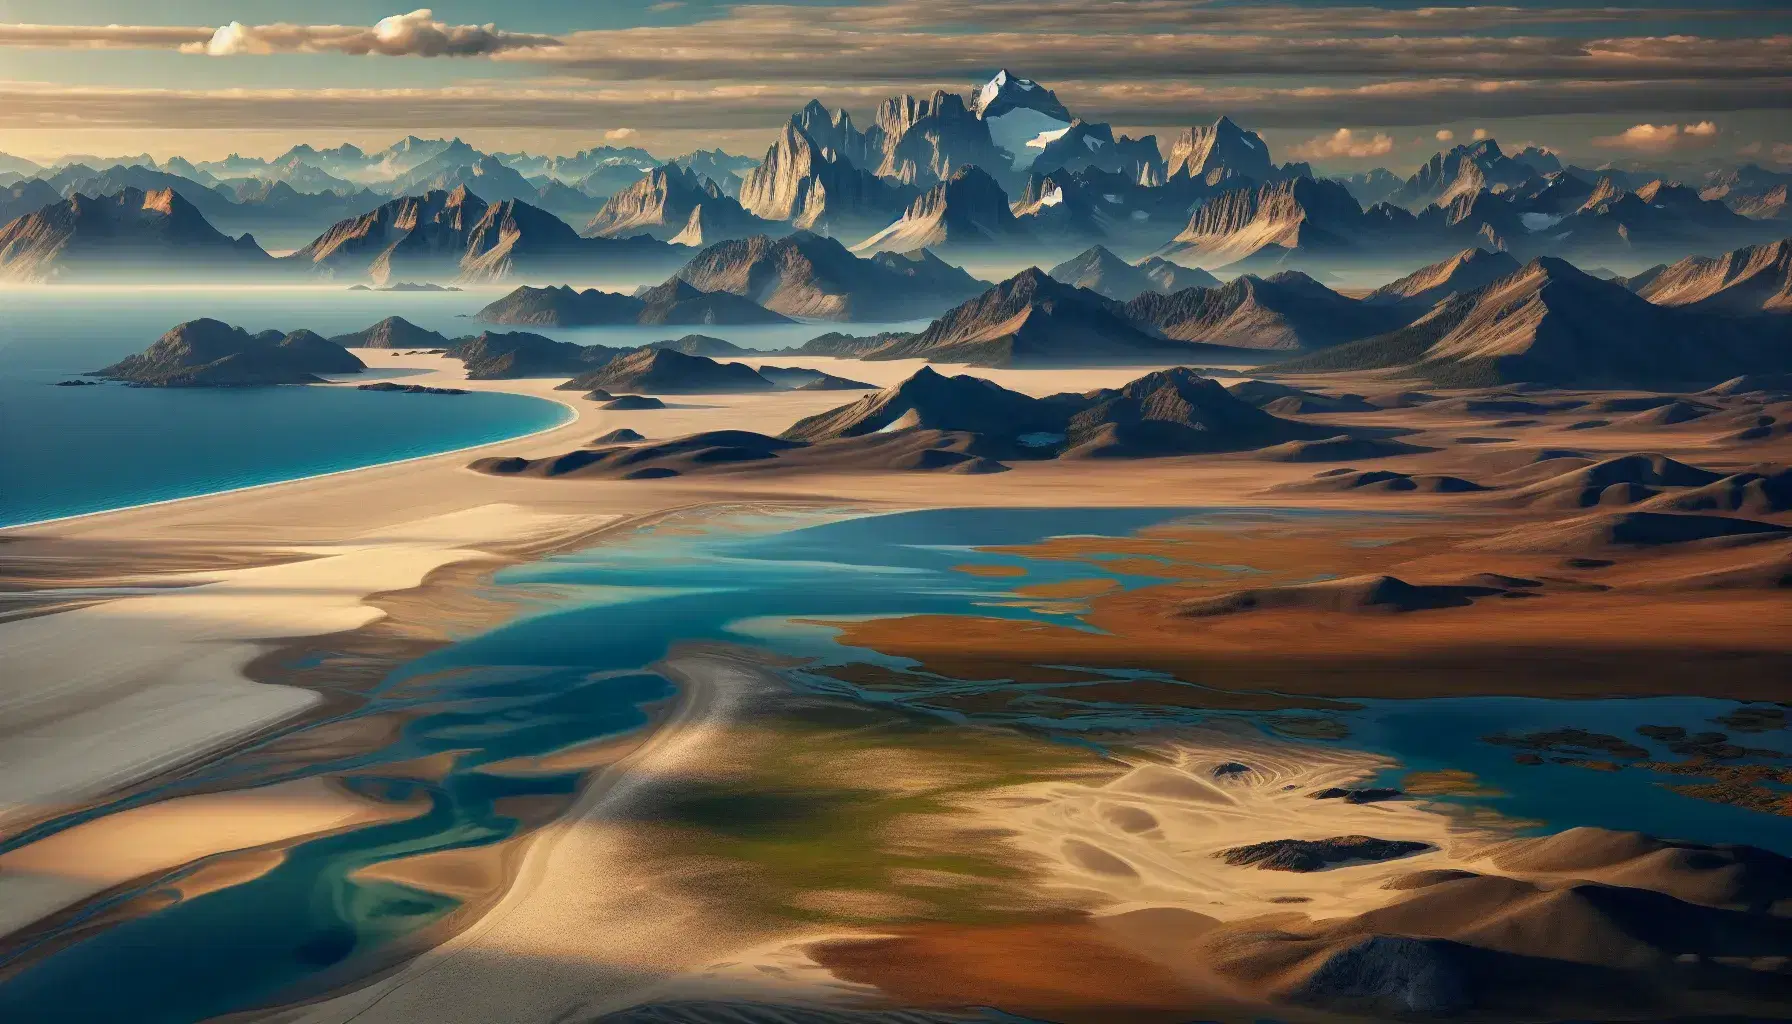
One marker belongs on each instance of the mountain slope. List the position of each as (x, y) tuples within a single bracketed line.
[(128, 235), (1220, 151), (1464, 272), (496, 355), (1464, 170), (1287, 312), (1550, 323), (807, 275), (1167, 412), (817, 189), (674, 302), (458, 235), (1031, 319), (967, 211), (392, 332), (1757, 279), (665, 202), (1104, 273), (667, 371), (1302, 215), (1020, 117)]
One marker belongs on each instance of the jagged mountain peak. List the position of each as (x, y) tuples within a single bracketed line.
[(1008, 91), (1221, 150)]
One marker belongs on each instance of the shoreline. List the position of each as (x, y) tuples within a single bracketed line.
[(522, 930), (582, 905), (574, 417)]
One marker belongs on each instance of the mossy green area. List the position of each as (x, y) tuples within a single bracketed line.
[(832, 812)]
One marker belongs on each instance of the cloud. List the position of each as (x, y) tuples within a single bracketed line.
[(931, 42), (102, 37), (1782, 152), (1445, 135), (618, 134), (1344, 143), (665, 5), (1479, 134), (735, 108), (1650, 138), (416, 34)]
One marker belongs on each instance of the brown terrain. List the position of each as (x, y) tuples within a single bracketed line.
[(1485, 541)]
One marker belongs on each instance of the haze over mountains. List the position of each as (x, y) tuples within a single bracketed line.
[(1004, 175)]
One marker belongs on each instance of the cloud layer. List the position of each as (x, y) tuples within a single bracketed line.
[(1665, 138), (1345, 143), (416, 34), (1164, 63)]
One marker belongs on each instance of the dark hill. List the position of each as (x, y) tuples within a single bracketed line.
[(211, 353)]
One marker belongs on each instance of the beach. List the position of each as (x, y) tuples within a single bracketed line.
[(594, 912)]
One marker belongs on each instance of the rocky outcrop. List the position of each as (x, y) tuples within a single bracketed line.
[(1318, 854)]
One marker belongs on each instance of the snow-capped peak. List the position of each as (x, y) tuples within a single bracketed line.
[(1007, 91)]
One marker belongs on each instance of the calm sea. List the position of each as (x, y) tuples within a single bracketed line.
[(69, 451)]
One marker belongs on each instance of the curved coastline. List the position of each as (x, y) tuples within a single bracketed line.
[(573, 414)]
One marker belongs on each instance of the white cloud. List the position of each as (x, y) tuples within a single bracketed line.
[(1480, 133), (1345, 143), (618, 134), (1652, 138), (416, 34), (1445, 135)]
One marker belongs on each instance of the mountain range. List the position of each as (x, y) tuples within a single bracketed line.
[(459, 235), (1549, 323), (116, 236), (815, 277), (676, 204), (1033, 320), (674, 302), (1004, 172)]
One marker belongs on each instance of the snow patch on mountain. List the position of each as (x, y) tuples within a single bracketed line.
[(1023, 132)]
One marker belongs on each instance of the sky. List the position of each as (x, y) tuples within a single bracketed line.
[(1346, 84)]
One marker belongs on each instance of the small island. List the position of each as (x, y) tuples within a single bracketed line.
[(211, 353), (410, 389)]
